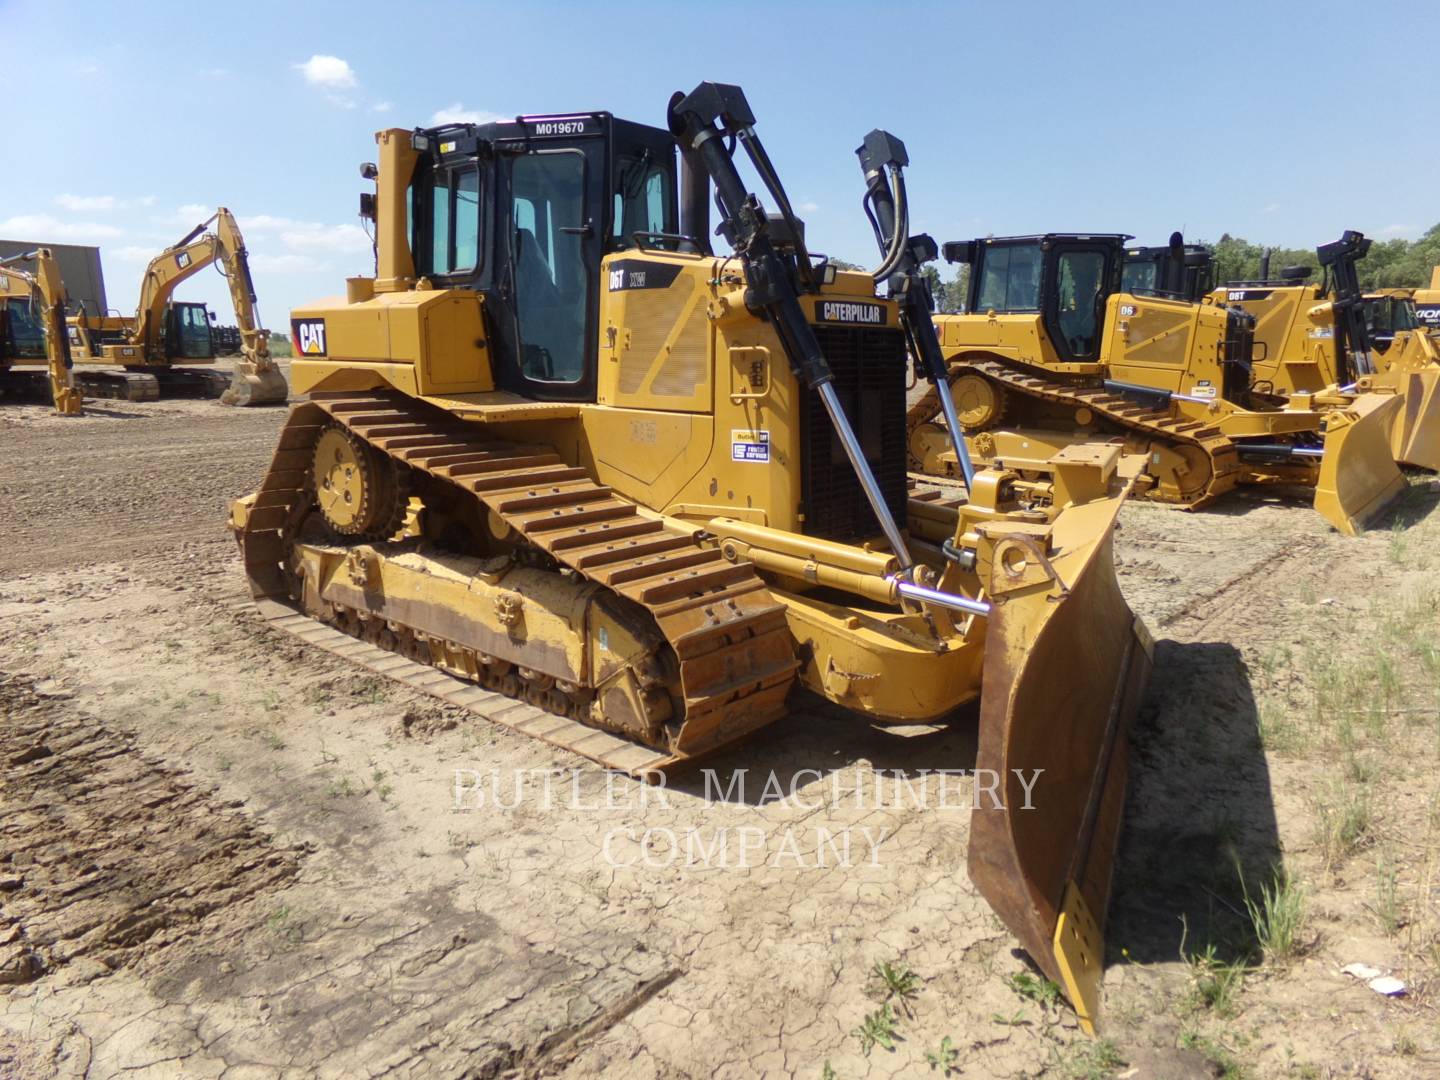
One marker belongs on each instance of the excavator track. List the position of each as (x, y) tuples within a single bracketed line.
[(730, 638), (117, 385), (1118, 410)]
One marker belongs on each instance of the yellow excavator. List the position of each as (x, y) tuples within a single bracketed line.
[(1053, 352), (37, 294), (1314, 337), (165, 335), (558, 448)]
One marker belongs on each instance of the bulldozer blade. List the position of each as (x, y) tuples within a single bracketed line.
[(250, 385), (1066, 664), (1358, 474), (1415, 432)]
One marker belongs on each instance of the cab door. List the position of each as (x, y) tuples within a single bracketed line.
[(550, 240), (1079, 278)]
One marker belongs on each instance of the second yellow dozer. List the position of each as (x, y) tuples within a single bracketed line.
[(557, 447), (1053, 352), (1315, 337)]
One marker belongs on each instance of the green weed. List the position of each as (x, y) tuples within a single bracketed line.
[(946, 1059), (895, 981), (879, 1028)]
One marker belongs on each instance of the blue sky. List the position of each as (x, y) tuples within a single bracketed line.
[(138, 118)]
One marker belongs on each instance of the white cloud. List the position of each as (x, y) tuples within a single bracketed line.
[(42, 227), (333, 76), (1409, 232), (81, 203), (456, 113), (329, 72), (286, 264), (132, 253), (215, 72), (808, 207), (189, 214), (1270, 208), (381, 106), (308, 236)]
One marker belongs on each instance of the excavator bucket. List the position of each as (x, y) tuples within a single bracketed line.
[(1415, 433), (252, 385), (1066, 664), (1358, 474)]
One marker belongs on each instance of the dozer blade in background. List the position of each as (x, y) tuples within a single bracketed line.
[(1066, 664), (1358, 474), (251, 386), (1415, 433)]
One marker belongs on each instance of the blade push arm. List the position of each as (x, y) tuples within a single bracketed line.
[(882, 160), (702, 122), (1352, 335)]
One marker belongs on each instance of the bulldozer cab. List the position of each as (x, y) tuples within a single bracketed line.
[(523, 212), (1156, 271), (1388, 314), (187, 332), (1065, 278)]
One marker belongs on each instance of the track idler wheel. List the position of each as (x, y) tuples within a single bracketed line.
[(358, 489), (979, 403)]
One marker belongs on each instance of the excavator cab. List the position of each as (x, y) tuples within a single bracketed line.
[(21, 336), (187, 332), (523, 212)]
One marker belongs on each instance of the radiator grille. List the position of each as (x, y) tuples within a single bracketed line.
[(870, 375)]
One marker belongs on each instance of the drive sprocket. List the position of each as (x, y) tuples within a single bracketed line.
[(358, 489)]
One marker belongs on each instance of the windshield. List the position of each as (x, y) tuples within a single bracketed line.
[(26, 336), (1010, 278)]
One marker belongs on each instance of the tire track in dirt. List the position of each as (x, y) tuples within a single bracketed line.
[(105, 853)]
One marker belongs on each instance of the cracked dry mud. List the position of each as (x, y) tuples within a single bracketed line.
[(225, 855)]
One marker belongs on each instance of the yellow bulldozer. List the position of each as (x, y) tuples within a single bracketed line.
[(1054, 352), (1427, 301), (1313, 337), (557, 447), (32, 297), (158, 345)]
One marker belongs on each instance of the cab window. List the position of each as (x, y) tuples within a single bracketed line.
[(453, 244), (1138, 277), (552, 275), (1010, 278), (1079, 279), (642, 199)]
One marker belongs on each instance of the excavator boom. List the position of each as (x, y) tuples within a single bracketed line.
[(47, 297), (215, 241)]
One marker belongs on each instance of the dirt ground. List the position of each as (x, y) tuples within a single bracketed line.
[(225, 855)]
